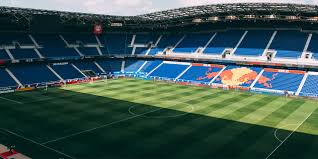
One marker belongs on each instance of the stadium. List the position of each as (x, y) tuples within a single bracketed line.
[(222, 81)]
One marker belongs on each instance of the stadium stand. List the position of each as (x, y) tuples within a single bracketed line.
[(4, 55), (33, 74), (132, 66), (88, 51), (165, 42), (310, 87), (111, 65), (313, 47), (141, 50), (6, 80), (88, 66), (169, 70), (277, 79), (223, 40), (54, 47), (149, 66), (24, 53), (192, 42), (237, 76), (289, 44), (67, 71), (254, 43), (80, 39), (116, 43), (146, 38), (13, 39), (200, 73)]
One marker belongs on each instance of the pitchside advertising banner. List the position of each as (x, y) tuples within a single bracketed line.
[(98, 29)]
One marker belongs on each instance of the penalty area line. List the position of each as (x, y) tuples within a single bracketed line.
[(283, 141)]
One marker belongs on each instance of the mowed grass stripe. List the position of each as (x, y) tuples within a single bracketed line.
[(251, 107)]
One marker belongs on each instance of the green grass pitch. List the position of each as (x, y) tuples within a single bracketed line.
[(130, 118)]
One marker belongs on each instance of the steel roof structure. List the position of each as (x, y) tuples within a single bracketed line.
[(216, 13)]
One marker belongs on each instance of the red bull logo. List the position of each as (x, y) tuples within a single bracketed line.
[(208, 75), (239, 76)]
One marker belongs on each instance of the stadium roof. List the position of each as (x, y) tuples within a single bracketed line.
[(235, 9), (216, 13)]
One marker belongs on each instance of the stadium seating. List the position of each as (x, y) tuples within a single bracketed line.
[(166, 41), (6, 80), (313, 47), (75, 39), (88, 66), (116, 43), (145, 38), (24, 54), (150, 65), (141, 50), (54, 47), (223, 40), (192, 42), (169, 70), (282, 80), (310, 87), (8, 39), (4, 55), (133, 65), (67, 71), (111, 65), (289, 44), (201, 73), (238, 76), (33, 73), (254, 43), (89, 51)]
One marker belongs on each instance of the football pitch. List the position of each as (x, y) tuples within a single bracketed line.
[(135, 119)]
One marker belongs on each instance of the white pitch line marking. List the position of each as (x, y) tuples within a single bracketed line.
[(32, 141), (99, 127), (11, 100), (282, 142)]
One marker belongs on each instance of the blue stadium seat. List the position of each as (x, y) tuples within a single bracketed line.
[(24, 54), (310, 87), (313, 47), (223, 40), (146, 38), (116, 43), (254, 43), (86, 39), (87, 65), (9, 38), (169, 70), (150, 65), (111, 65), (280, 81), (4, 55), (202, 74), (88, 51), (33, 74), (133, 65), (141, 50), (166, 41), (6, 80), (67, 71), (192, 42), (54, 47), (289, 44)]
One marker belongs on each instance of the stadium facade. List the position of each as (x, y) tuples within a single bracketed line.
[(259, 47)]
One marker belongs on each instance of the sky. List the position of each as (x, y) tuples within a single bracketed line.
[(126, 7)]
